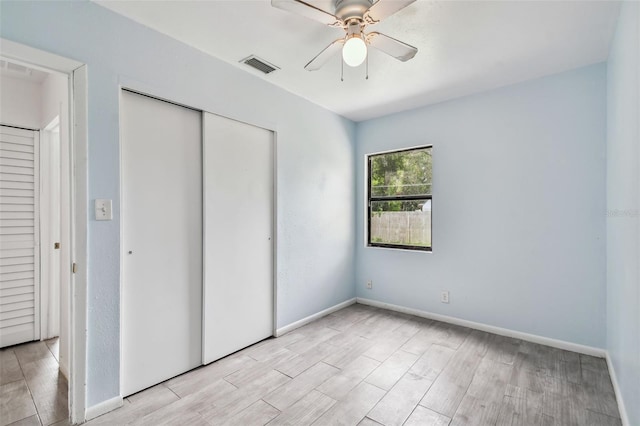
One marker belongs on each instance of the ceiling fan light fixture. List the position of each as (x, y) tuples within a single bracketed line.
[(354, 51), (354, 17)]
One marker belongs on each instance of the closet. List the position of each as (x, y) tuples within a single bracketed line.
[(197, 245)]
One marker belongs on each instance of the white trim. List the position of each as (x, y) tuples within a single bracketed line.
[(79, 161), (203, 179), (121, 89), (36, 58), (121, 236), (44, 185), (616, 388), (274, 232), (50, 227), (560, 344), (104, 407), (287, 328), (37, 300)]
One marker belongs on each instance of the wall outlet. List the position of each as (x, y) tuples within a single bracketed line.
[(444, 296), (369, 284)]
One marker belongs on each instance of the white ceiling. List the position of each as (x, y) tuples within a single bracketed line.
[(464, 47)]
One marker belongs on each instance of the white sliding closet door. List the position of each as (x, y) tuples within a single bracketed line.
[(238, 235), (19, 236), (161, 241)]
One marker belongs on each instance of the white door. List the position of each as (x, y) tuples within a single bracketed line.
[(19, 235), (161, 241), (238, 235)]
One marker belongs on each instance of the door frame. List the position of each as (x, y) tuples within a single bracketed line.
[(76, 72), (46, 227)]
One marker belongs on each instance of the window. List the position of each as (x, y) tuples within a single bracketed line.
[(399, 199)]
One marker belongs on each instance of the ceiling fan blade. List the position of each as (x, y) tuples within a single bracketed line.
[(322, 57), (383, 8), (391, 46), (307, 10)]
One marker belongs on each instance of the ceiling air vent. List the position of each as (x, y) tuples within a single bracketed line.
[(259, 64), (18, 68), (15, 67)]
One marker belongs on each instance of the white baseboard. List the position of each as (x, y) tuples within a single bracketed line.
[(614, 381), (103, 408), (560, 344), (307, 320)]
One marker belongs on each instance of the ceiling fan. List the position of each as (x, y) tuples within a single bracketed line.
[(353, 16)]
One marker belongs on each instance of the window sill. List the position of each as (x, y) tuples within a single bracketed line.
[(399, 249)]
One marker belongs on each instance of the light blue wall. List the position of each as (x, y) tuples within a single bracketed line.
[(532, 153), (518, 208), (315, 255), (623, 207)]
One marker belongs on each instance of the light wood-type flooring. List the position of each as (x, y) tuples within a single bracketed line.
[(32, 389), (367, 366)]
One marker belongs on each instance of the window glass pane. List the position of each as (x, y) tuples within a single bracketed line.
[(406, 223), (401, 173)]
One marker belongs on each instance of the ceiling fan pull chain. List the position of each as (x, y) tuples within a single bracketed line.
[(341, 69), (367, 78)]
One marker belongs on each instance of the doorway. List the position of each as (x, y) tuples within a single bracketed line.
[(35, 207), (72, 193)]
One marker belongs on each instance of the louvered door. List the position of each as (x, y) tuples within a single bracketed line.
[(19, 252)]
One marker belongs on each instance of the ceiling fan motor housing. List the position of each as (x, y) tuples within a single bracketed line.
[(348, 10)]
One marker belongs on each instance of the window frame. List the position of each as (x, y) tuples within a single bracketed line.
[(371, 199)]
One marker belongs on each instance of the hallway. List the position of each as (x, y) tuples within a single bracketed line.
[(32, 390)]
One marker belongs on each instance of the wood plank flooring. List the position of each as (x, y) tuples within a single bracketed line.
[(32, 390), (367, 366)]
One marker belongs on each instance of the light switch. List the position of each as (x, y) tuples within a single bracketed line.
[(103, 210)]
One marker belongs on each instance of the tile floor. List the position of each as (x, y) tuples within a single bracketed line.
[(32, 390), (358, 366), (367, 366)]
